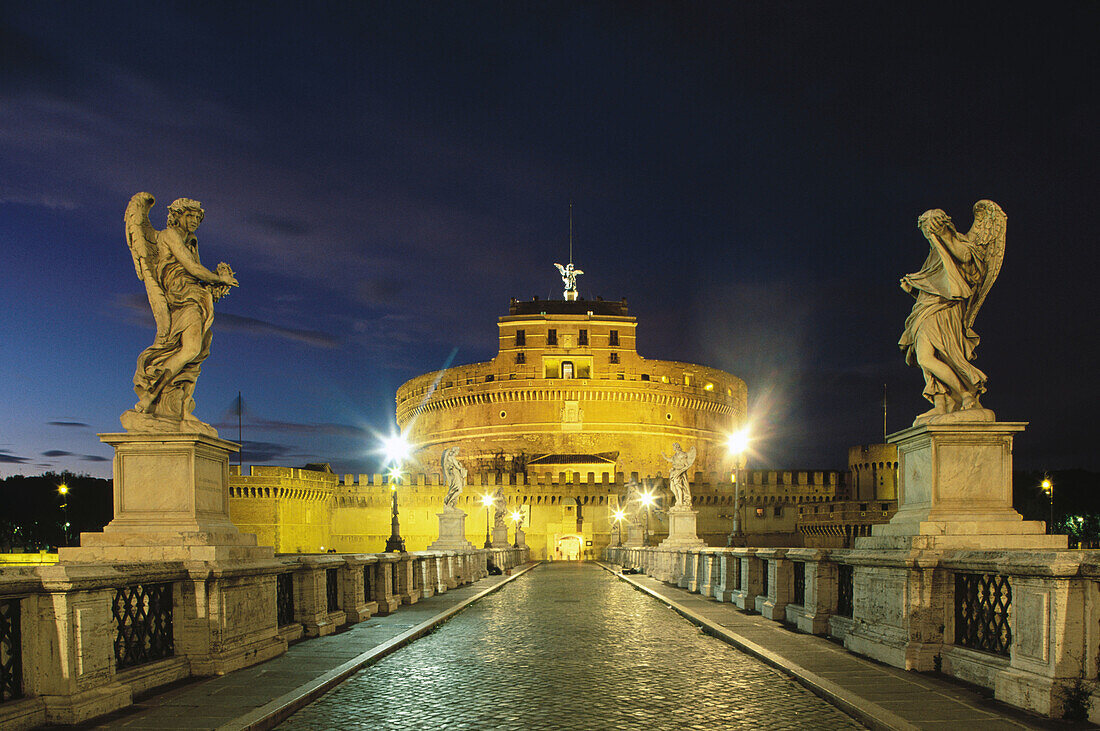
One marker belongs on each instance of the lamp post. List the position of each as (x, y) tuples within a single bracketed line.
[(647, 500), (1047, 486), (517, 518), (396, 449), (487, 500), (618, 515), (63, 491), (738, 444)]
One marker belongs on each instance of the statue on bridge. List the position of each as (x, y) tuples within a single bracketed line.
[(949, 290), (454, 473), (181, 293), (679, 464), (500, 507)]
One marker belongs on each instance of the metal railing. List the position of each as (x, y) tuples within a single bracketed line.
[(332, 589), (764, 576), (11, 651), (844, 590), (284, 599), (143, 621), (799, 596), (982, 606)]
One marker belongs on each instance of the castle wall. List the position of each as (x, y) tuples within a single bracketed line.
[(304, 511)]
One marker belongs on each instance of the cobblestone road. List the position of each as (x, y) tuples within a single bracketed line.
[(568, 646)]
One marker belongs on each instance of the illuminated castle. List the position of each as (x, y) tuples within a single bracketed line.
[(568, 392)]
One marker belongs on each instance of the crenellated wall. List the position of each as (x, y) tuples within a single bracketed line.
[(302, 511)]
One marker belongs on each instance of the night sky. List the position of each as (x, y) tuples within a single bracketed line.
[(383, 177)]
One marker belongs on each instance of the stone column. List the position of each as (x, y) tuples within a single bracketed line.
[(777, 594)]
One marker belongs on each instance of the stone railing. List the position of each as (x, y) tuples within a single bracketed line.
[(81, 640), (1020, 623)]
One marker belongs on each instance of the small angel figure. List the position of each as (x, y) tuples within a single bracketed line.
[(569, 279), (181, 293), (679, 464), (455, 474), (949, 289)]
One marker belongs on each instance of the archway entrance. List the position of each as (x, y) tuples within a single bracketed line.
[(569, 548)]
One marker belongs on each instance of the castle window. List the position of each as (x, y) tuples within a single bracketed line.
[(521, 357), (614, 358), (614, 337), (521, 337), (490, 378), (582, 339), (620, 376), (551, 337), (760, 512), (645, 376), (778, 511), (567, 369)]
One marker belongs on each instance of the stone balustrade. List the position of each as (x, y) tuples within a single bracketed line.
[(78, 640), (1020, 623)]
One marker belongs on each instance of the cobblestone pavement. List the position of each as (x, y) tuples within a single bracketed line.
[(568, 646)]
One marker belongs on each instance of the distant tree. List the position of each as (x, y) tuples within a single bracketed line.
[(34, 513)]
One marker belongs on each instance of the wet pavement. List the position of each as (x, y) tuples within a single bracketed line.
[(568, 646)]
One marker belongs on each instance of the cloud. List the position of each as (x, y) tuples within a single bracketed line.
[(94, 458), (37, 201), (291, 427), (56, 453), (7, 457), (253, 326), (254, 452), (68, 423), (136, 307)]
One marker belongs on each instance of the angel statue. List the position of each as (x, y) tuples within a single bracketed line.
[(181, 293), (569, 279), (500, 507), (455, 475), (633, 505), (949, 290), (679, 464)]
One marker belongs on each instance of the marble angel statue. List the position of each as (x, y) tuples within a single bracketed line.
[(455, 474), (181, 293), (679, 464), (949, 289)]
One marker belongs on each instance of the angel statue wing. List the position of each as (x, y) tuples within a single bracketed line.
[(988, 233), (560, 268), (691, 456), (141, 237)]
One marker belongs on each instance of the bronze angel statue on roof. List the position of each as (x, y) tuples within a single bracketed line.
[(949, 290), (181, 293)]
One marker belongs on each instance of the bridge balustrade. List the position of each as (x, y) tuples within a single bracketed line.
[(1016, 622), (79, 640)]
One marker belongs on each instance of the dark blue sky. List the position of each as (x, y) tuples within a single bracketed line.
[(383, 177)]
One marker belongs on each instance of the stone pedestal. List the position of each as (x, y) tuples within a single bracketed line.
[(634, 536), (521, 538), (955, 491), (681, 529), (171, 503), (500, 537), (452, 531), (954, 494)]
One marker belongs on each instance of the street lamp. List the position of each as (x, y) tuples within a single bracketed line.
[(1047, 486), (397, 449), (487, 500), (647, 499), (737, 445), (63, 491), (618, 516), (517, 518)]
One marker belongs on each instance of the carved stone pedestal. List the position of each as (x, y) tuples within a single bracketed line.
[(681, 529), (634, 536), (521, 538), (500, 537), (171, 503), (954, 494), (452, 531), (955, 491)]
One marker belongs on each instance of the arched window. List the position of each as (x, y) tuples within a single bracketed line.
[(567, 369)]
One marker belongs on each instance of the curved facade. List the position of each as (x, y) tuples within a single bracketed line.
[(567, 381)]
